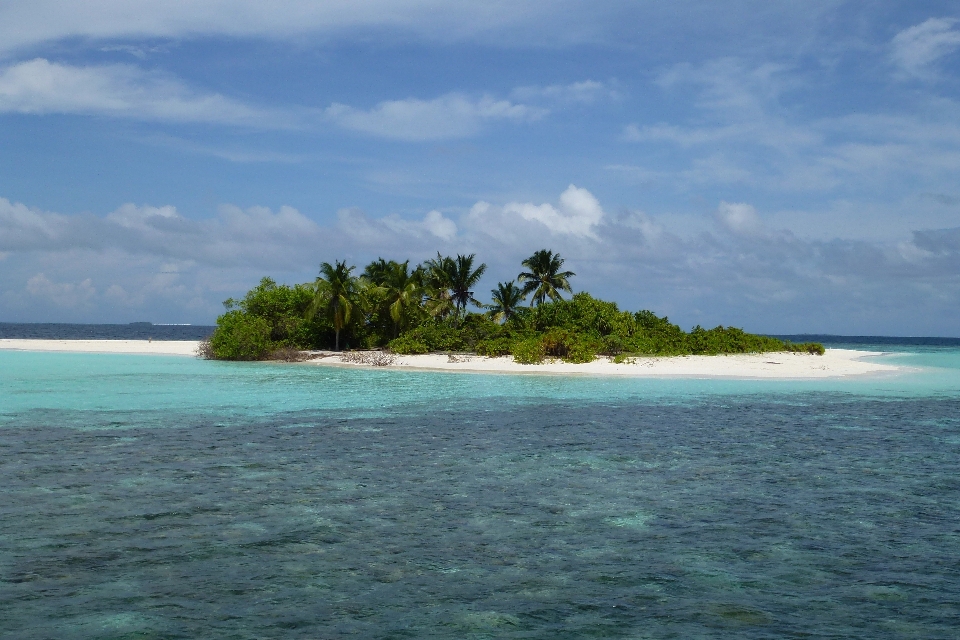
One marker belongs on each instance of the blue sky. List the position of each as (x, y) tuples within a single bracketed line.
[(785, 167)]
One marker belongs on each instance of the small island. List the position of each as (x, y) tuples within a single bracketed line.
[(391, 309)]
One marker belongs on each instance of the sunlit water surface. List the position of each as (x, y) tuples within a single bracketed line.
[(153, 497)]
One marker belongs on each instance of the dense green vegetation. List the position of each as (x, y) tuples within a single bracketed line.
[(425, 309)]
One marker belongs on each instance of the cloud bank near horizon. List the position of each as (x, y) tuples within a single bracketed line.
[(151, 262)]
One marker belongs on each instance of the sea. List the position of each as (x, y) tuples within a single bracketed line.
[(171, 497)]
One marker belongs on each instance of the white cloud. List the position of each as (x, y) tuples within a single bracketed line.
[(740, 218), (730, 85), (743, 99), (39, 86), (755, 138), (235, 237), (577, 215), (61, 294), (131, 216), (390, 230), (438, 225), (447, 117), (25, 24), (23, 226), (585, 92), (914, 50)]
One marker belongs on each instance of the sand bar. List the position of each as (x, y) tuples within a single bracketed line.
[(136, 347), (836, 363)]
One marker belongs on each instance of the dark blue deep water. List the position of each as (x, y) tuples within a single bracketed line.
[(174, 498), (132, 331)]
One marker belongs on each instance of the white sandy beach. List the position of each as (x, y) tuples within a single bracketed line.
[(136, 347), (836, 363)]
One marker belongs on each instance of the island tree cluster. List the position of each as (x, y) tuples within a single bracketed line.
[(432, 307)]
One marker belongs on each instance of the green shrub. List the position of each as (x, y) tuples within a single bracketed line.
[(479, 326), (584, 315), (571, 347), (612, 345), (284, 308), (729, 340), (493, 347), (435, 336), (814, 348), (408, 344), (240, 336), (528, 351), (581, 352), (557, 342)]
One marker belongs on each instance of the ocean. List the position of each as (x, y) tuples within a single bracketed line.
[(166, 497), (130, 331)]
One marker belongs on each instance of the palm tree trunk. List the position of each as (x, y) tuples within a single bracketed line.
[(337, 340)]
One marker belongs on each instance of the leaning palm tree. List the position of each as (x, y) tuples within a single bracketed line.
[(545, 280), (463, 277), (506, 298), (335, 293)]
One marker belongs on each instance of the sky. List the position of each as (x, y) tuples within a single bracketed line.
[(787, 167)]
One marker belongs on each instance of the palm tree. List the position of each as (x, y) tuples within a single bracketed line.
[(463, 277), (335, 292), (506, 298), (376, 271), (402, 288), (438, 280), (545, 280)]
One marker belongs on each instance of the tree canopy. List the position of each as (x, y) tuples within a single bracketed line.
[(506, 298), (544, 278), (424, 308), (335, 294)]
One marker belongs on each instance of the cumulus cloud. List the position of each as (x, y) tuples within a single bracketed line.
[(577, 215), (740, 218), (915, 49), (39, 86), (447, 117), (391, 230), (255, 236), (61, 294), (149, 258)]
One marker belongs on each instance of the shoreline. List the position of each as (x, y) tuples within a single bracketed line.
[(836, 363)]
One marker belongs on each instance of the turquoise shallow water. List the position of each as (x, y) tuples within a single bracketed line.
[(151, 497)]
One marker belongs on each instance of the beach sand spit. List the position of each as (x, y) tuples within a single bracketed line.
[(836, 363), (138, 347)]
